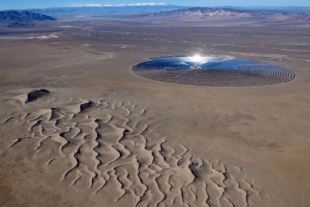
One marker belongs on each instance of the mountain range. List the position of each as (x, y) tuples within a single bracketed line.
[(118, 5), (154, 10), (232, 12), (23, 16), (141, 7)]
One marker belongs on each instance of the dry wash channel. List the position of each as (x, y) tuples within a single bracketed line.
[(212, 71)]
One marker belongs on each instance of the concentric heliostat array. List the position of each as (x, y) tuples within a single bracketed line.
[(212, 71)]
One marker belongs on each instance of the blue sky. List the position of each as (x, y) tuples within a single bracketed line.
[(26, 4)]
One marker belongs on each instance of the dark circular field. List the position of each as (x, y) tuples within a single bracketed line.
[(212, 71)]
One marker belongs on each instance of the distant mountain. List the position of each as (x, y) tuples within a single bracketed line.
[(292, 15), (275, 8), (204, 11), (142, 7), (119, 5), (23, 16), (21, 25), (232, 12)]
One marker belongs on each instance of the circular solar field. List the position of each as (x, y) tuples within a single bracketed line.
[(212, 71)]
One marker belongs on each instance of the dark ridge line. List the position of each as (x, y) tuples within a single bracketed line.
[(34, 95), (86, 106)]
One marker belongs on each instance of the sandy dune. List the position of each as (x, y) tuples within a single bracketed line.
[(105, 143)]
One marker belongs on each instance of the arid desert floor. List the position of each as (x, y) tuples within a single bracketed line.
[(79, 128)]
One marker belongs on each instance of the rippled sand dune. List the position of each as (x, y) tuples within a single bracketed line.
[(102, 142)]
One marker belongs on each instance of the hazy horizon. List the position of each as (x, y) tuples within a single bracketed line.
[(20, 4)]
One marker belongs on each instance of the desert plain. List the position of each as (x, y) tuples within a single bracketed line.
[(79, 128)]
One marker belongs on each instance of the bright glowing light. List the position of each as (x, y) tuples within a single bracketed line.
[(196, 58)]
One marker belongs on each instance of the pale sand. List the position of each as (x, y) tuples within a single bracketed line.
[(103, 136)]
